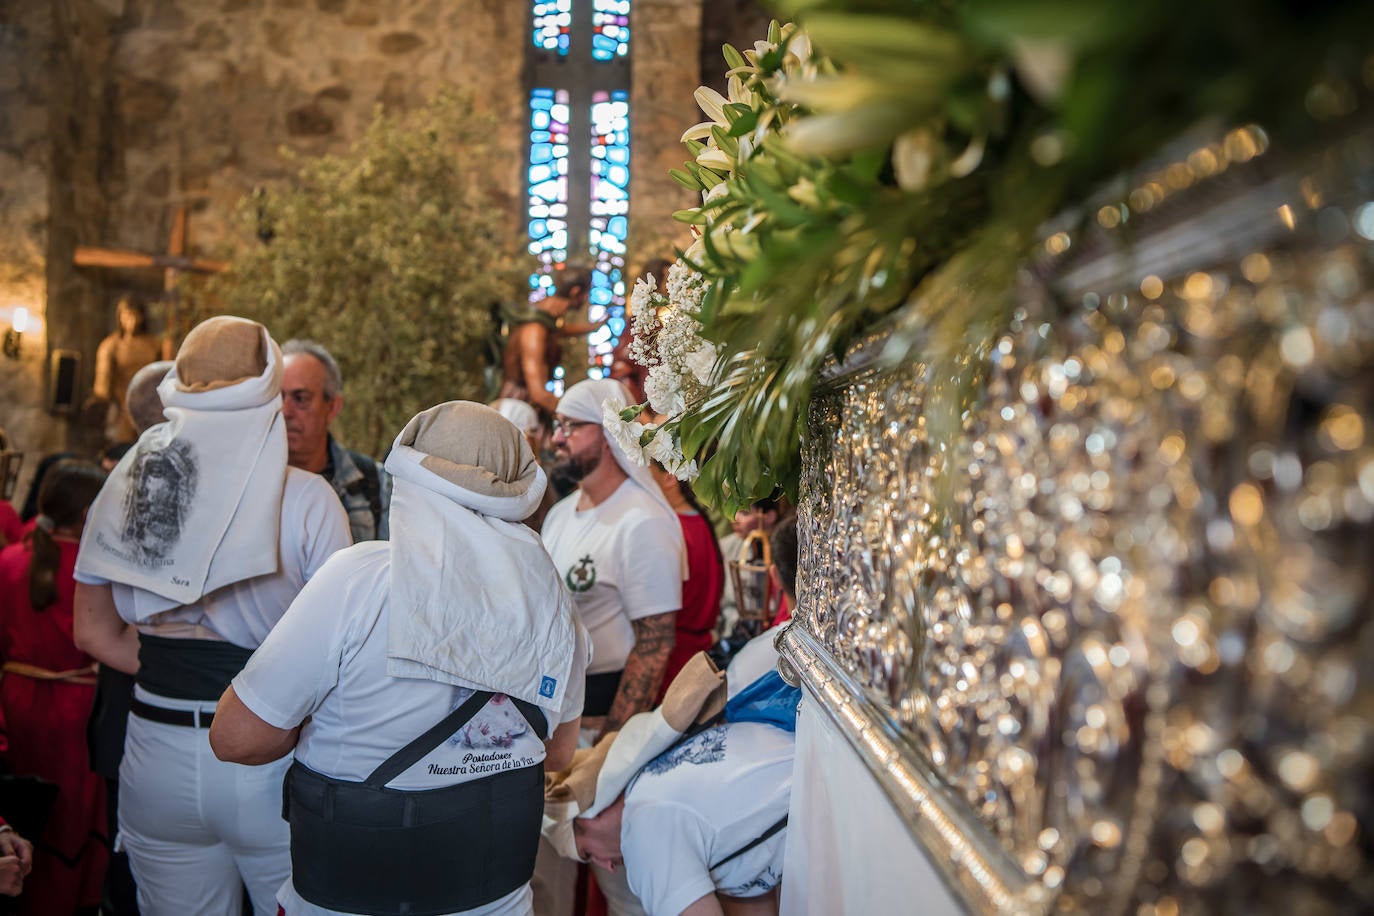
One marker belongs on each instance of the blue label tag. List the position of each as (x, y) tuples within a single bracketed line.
[(547, 686)]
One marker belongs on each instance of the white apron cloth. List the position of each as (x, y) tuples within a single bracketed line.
[(475, 599), (196, 504)]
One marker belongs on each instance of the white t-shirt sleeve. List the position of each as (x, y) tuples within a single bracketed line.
[(313, 508), (651, 565), (297, 665), (665, 846)]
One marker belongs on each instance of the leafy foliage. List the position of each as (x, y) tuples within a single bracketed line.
[(885, 153), (392, 256)]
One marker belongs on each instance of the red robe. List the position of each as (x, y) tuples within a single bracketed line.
[(696, 621), (46, 725)]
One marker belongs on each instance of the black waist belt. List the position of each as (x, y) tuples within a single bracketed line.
[(188, 669), (190, 717), (601, 690), (360, 847)]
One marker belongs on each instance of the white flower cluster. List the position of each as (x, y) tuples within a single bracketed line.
[(667, 342), (644, 443)]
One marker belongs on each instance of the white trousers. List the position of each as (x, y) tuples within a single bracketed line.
[(197, 829)]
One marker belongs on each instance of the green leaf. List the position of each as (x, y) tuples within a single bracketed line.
[(686, 179)]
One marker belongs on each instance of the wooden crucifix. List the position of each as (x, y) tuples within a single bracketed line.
[(172, 264)]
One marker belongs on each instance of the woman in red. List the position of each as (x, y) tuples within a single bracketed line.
[(46, 695), (696, 621)]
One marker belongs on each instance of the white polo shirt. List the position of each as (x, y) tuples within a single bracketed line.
[(621, 560)]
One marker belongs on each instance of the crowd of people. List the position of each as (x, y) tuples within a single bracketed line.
[(247, 669)]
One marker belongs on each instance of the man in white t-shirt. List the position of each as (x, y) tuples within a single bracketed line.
[(394, 806), (618, 545), (700, 828)]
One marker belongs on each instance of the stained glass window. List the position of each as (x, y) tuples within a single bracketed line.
[(610, 29), (548, 183), (579, 165), (610, 210), (553, 25)]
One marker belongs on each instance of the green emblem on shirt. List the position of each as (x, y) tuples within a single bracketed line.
[(582, 576)]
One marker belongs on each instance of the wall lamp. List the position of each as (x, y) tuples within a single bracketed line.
[(14, 334)]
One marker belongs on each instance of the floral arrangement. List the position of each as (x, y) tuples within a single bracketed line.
[(905, 154)]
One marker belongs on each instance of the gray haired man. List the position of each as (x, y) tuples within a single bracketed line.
[(312, 396)]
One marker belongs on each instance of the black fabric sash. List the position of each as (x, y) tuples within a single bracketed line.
[(360, 847), (188, 669), (601, 690)]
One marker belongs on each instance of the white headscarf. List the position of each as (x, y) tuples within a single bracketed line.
[(475, 599), (587, 401), (196, 504), (518, 412)]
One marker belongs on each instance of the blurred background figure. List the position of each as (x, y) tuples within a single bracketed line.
[(119, 357), (696, 623), (47, 693)]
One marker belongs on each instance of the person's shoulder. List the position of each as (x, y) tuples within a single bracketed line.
[(357, 565), (306, 485), (560, 510)]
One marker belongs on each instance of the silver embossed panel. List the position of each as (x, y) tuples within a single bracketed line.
[(1121, 606)]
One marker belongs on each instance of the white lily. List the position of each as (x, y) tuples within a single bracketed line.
[(712, 103), (713, 158), (913, 154), (698, 131), (969, 159)]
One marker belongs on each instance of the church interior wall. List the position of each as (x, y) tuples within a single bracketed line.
[(118, 112)]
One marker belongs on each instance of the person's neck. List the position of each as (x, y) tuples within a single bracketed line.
[(600, 484), (315, 462), (679, 502)]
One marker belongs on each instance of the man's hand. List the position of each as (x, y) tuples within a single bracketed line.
[(654, 638), (16, 861)]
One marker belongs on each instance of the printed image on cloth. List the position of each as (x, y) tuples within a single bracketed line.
[(158, 501), (497, 724), (582, 575), (705, 747), (761, 883)]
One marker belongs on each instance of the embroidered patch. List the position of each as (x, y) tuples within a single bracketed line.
[(547, 687), (582, 576)]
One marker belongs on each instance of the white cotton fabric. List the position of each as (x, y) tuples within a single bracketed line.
[(313, 526), (620, 560), (327, 660), (587, 401), (707, 798), (207, 513), (475, 599), (645, 736), (518, 412)]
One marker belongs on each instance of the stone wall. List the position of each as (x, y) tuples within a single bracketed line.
[(25, 41), (666, 36), (115, 113)]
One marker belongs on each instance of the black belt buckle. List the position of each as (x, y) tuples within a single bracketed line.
[(190, 718)]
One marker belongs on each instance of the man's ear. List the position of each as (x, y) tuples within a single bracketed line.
[(335, 406)]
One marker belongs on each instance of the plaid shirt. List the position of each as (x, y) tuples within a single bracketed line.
[(349, 482)]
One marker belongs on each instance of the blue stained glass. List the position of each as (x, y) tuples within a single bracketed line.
[(552, 22), (617, 154), (610, 29), (617, 326), (619, 226), (547, 182)]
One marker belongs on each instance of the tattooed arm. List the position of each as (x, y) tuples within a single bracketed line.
[(643, 669)]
